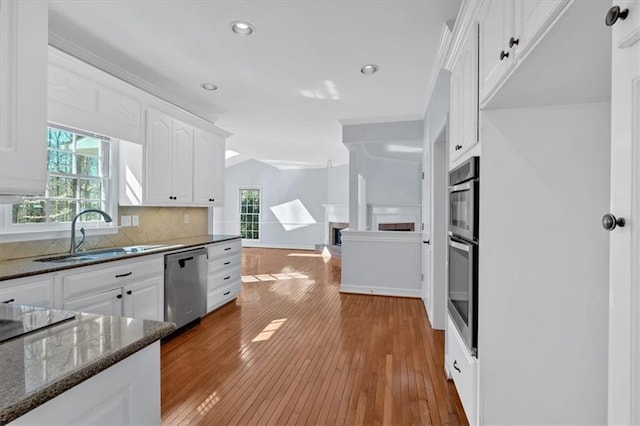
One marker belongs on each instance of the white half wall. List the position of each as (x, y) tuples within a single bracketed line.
[(381, 263), (543, 273)]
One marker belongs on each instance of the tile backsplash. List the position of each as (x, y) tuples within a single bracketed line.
[(156, 224)]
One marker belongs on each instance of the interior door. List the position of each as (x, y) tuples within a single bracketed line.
[(624, 260)]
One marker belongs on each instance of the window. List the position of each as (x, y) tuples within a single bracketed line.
[(250, 213), (78, 178)]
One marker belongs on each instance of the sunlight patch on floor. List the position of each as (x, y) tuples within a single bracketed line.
[(273, 277), (268, 331)]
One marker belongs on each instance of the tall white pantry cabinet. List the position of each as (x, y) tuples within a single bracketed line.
[(559, 141)]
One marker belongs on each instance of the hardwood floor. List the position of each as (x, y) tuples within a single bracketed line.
[(292, 350)]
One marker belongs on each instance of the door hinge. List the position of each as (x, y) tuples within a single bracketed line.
[(422, 226), (421, 277), (422, 175)]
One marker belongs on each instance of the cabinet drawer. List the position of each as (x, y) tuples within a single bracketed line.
[(223, 278), (91, 278), (34, 291), (222, 295), (462, 367), (226, 262), (224, 248)]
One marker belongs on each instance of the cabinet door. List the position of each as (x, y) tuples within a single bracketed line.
[(106, 303), (204, 167), (34, 291), (496, 19), (219, 158), (464, 98), (182, 167), (23, 102), (624, 242), (145, 299), (158, 158), (533, 17)]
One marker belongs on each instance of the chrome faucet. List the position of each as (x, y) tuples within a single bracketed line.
[(75, 246)]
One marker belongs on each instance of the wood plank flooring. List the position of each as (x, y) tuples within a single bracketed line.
[(292, 350)]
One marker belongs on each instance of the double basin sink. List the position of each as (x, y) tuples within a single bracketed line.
[(101, 254)]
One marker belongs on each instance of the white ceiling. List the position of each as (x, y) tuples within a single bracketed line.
[(284, 91)]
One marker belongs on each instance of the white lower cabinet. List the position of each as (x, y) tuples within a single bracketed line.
[(127, 393), (463, 369), (224, 273), (131, 288), (104, 303), (34, 291)]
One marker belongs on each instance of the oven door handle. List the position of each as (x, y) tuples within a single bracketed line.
[(459, 246), (462, 187)]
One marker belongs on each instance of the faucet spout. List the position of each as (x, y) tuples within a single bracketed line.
[(73, 247)]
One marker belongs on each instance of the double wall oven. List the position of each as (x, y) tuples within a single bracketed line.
[(464, 185)]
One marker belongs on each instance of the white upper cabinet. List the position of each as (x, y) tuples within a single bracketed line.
[(496, 32), (508, 31), (168, 160), (464, 98), (533, 17), (208, 168), (23, 103), (86, 98)]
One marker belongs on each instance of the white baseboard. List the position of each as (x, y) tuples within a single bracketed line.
[(278, 246), (379, 291)]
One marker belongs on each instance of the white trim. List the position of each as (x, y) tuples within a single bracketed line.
[(381, 236), (379, 291), (446, 34), (464, 24), (12, 237), (252, 243)]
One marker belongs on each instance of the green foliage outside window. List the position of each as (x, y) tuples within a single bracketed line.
[(250, 214), (78, 178)]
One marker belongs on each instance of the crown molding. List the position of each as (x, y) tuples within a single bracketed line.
[(79, 52)]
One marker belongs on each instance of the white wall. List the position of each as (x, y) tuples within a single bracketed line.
[(310, 186), (434, 203), (543, 292), (391, 181), (338, 184)]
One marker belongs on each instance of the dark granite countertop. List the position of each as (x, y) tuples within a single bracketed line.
[(17, 268), (43, 364)]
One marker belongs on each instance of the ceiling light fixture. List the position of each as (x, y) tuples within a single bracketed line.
[(369, 69), (242, 28), (209, 86)]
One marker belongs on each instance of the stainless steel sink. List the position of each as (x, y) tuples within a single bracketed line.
[(101, 254)]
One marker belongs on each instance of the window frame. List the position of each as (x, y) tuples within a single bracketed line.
[(239, 213), (14, 232)]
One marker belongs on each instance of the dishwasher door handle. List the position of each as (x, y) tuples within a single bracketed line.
[(182, 262)]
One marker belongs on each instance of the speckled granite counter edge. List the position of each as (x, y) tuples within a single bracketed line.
[(46, 268), (12, 412)]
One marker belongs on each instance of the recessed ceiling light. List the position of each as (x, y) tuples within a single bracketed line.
[(242, 28), (369, 69), (209, 86)]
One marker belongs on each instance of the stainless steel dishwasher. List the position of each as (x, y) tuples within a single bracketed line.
[(185, 286)]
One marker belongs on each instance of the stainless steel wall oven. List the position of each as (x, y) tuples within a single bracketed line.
[(464, 186)]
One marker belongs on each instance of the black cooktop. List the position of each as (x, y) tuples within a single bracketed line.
[(17, 320)]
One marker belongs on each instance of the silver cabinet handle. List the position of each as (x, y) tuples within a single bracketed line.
[(459, 246)]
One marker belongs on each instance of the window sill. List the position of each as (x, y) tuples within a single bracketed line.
[(51, 234)]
